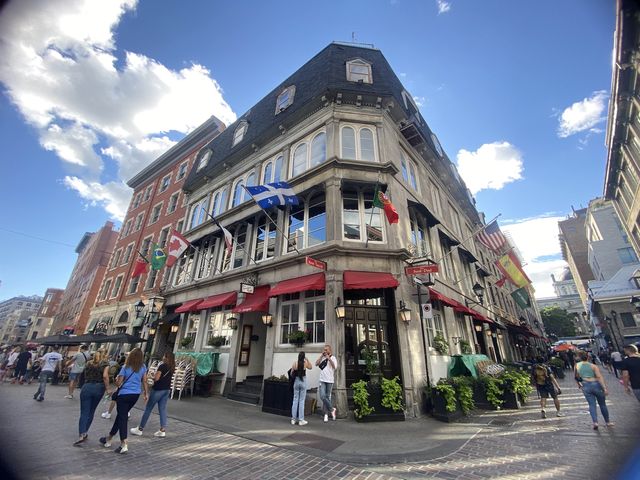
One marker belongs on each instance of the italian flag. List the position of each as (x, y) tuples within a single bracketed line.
[(381, 200)]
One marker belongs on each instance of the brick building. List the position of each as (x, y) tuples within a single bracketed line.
[(43, 320)]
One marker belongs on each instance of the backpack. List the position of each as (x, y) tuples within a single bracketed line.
[(113, 371), (540, 374)]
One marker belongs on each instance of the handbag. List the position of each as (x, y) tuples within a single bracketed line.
[(117, 392), (151, 380), (323, 364)]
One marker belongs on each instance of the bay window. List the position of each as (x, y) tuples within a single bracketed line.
[(265, 237), (359, 219), (235, 258), (307, 222), (309, 153), (357, 143)]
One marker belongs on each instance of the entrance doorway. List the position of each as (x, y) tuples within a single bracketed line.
[(370, 323)]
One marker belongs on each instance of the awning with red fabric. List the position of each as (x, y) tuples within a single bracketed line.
[(190, 306), (258, 301), (434, 294), (457, 306), (353, 280), (300, 284), (228, 298)]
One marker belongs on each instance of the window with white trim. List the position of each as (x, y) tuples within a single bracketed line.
[(447, 261), (127, 254), (204, 159), (219, 201), (357, 143), (147, 193), (127, 228), (139, 220), (420, 234), (359, 71), (185, 265), (310, 152), (307, 222), (173, 203), (180, 226), (285, 99), (240, 195), (359, 216), (265, 237), (182, 171), (272, 170), (116, 258), (206, 258), (237, 257), (218, 326), (133, 284), (105, 289), (164, 234), (151, 279), (436, 326), (145, 246), (238, 134), (435, 197), (165, 182), (136, 200), (303, 311), (199, 212), (191, 331), (155, 213), (116, 286), (408, 170)]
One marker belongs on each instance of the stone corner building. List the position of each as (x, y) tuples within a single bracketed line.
[(336, 129)]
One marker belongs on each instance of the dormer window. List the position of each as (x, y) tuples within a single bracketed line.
[(436, 144), (359, 71), (238, 135), (204, 159), (285, 99)]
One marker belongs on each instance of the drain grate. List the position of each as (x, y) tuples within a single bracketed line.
[(314, 441), (501, 422)]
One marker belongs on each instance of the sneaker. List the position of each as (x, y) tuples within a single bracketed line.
[(136, 431), (326, 417), (543, 414), (105, 442), (40, 399), (302, 423), (333, 414), (128, 414), (106, 415), (559, 414), (68, 396), (122, 449), (160, 433), (35, 396), (293, 421)]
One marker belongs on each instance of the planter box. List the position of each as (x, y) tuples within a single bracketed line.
[(381, 413), (558, 372), (440, 409), (277, 398), (511, 400), (480, 397)]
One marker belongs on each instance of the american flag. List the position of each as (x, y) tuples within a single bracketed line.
[(492, 237)]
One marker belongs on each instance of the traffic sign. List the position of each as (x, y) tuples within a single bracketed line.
[(246, 288), (315, 263), (433, 268)]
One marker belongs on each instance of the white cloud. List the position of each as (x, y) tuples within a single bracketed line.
[(492, 166), (537, 240), (58, 64), (443, 6), (420, 101), (583, 115)]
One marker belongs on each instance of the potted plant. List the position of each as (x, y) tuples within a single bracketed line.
[(277, 395), (490, 390), (378, 402), (361, 400), (441, 345), (464, 392), (216, 341), (446, 407), (372, 364), (298, 337), (517, 388), (465, 347), (557, 365), (185, 342)]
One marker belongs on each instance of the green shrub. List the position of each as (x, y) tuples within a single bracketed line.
[(493, 390), (464, 389), (361, 399), (449, 393), (465, 347), (518, 383), (392, 394), (556, 362), (440, 344)]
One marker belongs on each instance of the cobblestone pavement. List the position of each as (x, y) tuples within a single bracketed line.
[(518, 444)]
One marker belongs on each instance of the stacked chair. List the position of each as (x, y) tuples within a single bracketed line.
[(183, 377)]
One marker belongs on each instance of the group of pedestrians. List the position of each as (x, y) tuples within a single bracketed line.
[(20, 365)]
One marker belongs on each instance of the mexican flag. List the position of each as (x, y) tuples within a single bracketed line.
[(159, 258), (381, 200)]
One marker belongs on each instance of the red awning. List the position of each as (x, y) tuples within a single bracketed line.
[(258, 301), (228, 298), (482, 318), (443, 298), (190, 306), (362, 280), (300, 284)]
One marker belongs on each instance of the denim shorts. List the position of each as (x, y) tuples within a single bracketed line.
[(74, 376), (547, 391)]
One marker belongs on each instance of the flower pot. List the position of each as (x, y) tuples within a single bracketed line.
[(440, 411), (277, 398), (511, 400), (381, 413)]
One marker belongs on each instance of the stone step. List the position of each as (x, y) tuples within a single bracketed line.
[(244, 397)]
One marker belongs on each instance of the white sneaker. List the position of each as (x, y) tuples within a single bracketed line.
[(326, 417), (128, 414), (559, 414), (302, 423), (293, 421), (333, 414), (106, 415), (160, 434), (68, 396), (136, 431)]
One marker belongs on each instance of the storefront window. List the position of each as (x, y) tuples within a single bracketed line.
[(192, 329), (217, 325), (304, 311)]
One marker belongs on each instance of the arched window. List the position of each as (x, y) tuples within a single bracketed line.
[(348, 143), (199, 212), (238, 135), (318, 149), (299, 159), (267, 174), (366, 145), (277, 173), (238, 193), (251, 180)]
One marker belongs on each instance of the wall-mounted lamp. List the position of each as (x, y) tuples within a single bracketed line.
[(500, 335), (152, 331), (138, 308), (478, 291), (478, 328), (488, 332), (267, 319), (175, 328), (340, 310), (405, 313), (233, 323)]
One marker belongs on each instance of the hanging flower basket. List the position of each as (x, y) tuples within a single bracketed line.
[(298, 337)]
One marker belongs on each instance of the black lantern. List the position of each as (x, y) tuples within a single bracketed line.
[(405, 312), (340, 311), (233, 323), (267, 319), (478, 291), (139, 307)]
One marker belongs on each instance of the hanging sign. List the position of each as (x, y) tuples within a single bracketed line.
[(246, 288), (315, 263), (427, 311), (422, 269)]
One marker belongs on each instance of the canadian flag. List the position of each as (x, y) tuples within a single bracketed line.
[(177, 245)]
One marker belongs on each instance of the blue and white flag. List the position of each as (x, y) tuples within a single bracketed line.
[(273, 195)]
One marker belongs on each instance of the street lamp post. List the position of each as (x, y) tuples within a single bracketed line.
[(154, 308)]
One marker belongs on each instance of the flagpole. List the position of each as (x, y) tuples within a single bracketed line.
[(238, 244), (373, 207), (275, 224)]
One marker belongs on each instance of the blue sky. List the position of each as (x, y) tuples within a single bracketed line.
[(517, 93)]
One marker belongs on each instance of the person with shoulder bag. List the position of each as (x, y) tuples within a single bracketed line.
[(96, 373), (77, 364), (299, 389), (547, 386), (328, 364), (131, 383), (589, 379), (160, 389)]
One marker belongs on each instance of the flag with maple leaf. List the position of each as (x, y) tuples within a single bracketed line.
[(176, 247)]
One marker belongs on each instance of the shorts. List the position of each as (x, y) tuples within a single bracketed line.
[(74, 376), (547, 391)]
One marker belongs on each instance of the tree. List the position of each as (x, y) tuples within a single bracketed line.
[(558, 322)]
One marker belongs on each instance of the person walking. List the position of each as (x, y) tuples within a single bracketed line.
[(11, 362), (590, 380), (616, 358), (96, 383), (299, 389), (547, 386), (131, 382), (630, 368), (77, 365), (328, 365), (49, 363), (114, 369), (22, 364), (159, 394)]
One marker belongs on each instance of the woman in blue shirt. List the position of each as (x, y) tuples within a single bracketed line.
[(131, 382)]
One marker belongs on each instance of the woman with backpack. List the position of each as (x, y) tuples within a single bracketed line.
[(591, 382), (131, 383), (299, 389), (547, 386), (96, 382), (161, 383)]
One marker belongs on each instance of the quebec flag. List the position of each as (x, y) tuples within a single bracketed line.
[(276, 194)]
